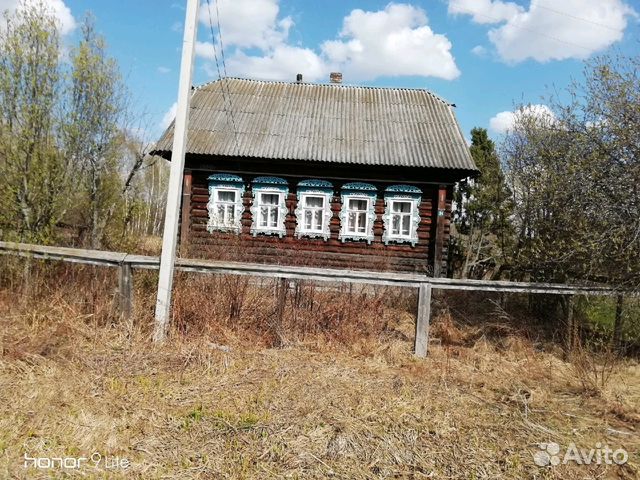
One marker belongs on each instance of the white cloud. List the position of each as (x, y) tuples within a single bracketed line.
[(544, 32), (205, 50), (169, 116), (479, 50), (163, 70), (58, 8), (485, 11), (247, 23), (504, 122), (283, 63), (395, 41)]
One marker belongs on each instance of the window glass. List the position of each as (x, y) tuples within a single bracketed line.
[(270, 198), (314, 202), (357, 204), (400, 218), (269, 210), (404, 207), (226, 196), (357, 215)]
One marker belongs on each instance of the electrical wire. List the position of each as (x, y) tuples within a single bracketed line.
[(226, 96)]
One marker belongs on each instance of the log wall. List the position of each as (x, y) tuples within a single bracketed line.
[(317, 252)]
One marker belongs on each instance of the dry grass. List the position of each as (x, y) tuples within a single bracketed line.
[(339, 400)]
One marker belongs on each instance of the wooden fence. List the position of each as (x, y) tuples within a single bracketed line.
[(126, 263)]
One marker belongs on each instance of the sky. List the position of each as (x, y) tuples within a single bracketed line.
[(485, 56)]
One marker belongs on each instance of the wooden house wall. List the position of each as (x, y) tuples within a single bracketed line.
[(291, 250)]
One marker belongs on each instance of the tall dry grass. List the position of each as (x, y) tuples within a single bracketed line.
[(329, 391)]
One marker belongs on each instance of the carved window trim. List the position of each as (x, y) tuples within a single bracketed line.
[(358, 191), (223, 182), (269, 186), (314, 188), (401, 193)]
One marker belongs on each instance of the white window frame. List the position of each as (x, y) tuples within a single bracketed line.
[(370, 217), (414, 216), (256, 212), (213, 223), (324, 231)]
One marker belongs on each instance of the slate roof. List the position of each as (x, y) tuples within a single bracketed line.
[(323, 123)]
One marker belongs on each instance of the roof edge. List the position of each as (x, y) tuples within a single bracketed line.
[(328, 85)]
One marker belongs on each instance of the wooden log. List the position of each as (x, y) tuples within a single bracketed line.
[(422, 320), (125, 290)]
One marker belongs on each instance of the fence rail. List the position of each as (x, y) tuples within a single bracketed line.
[(128, 262)]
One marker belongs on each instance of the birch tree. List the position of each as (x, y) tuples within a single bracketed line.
[(34, 174), (94, 136)]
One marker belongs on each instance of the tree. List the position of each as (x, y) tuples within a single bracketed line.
[(94, 137), (67, 156), (482, 211), (34, 173), (575, 177)]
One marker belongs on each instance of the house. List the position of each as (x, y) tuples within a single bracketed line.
[(320, 175)]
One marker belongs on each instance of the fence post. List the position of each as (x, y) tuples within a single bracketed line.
[(281, 300), (422, 320), (125, 290), (570, 332), (617, 326)]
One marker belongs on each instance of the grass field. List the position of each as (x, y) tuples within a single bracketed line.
[(75, 382)]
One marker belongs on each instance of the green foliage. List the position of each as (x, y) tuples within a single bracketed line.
[(482, 212), (31, 165), (575, 178), (66, 157), (93, 138)]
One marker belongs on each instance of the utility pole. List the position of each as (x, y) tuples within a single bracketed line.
[(170, 234)]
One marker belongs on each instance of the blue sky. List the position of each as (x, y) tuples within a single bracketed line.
[(483, 55)]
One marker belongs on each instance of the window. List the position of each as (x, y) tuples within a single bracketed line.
[(313, 207), (313, 212), (357, 215), (225, 208), (225, 203), (358, 212), (401, 218), (402, 215), (269, 208)]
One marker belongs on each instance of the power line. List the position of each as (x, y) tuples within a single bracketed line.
[(566, 14), (222, 82), (224, 63), (537, 32), (559, 12)]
